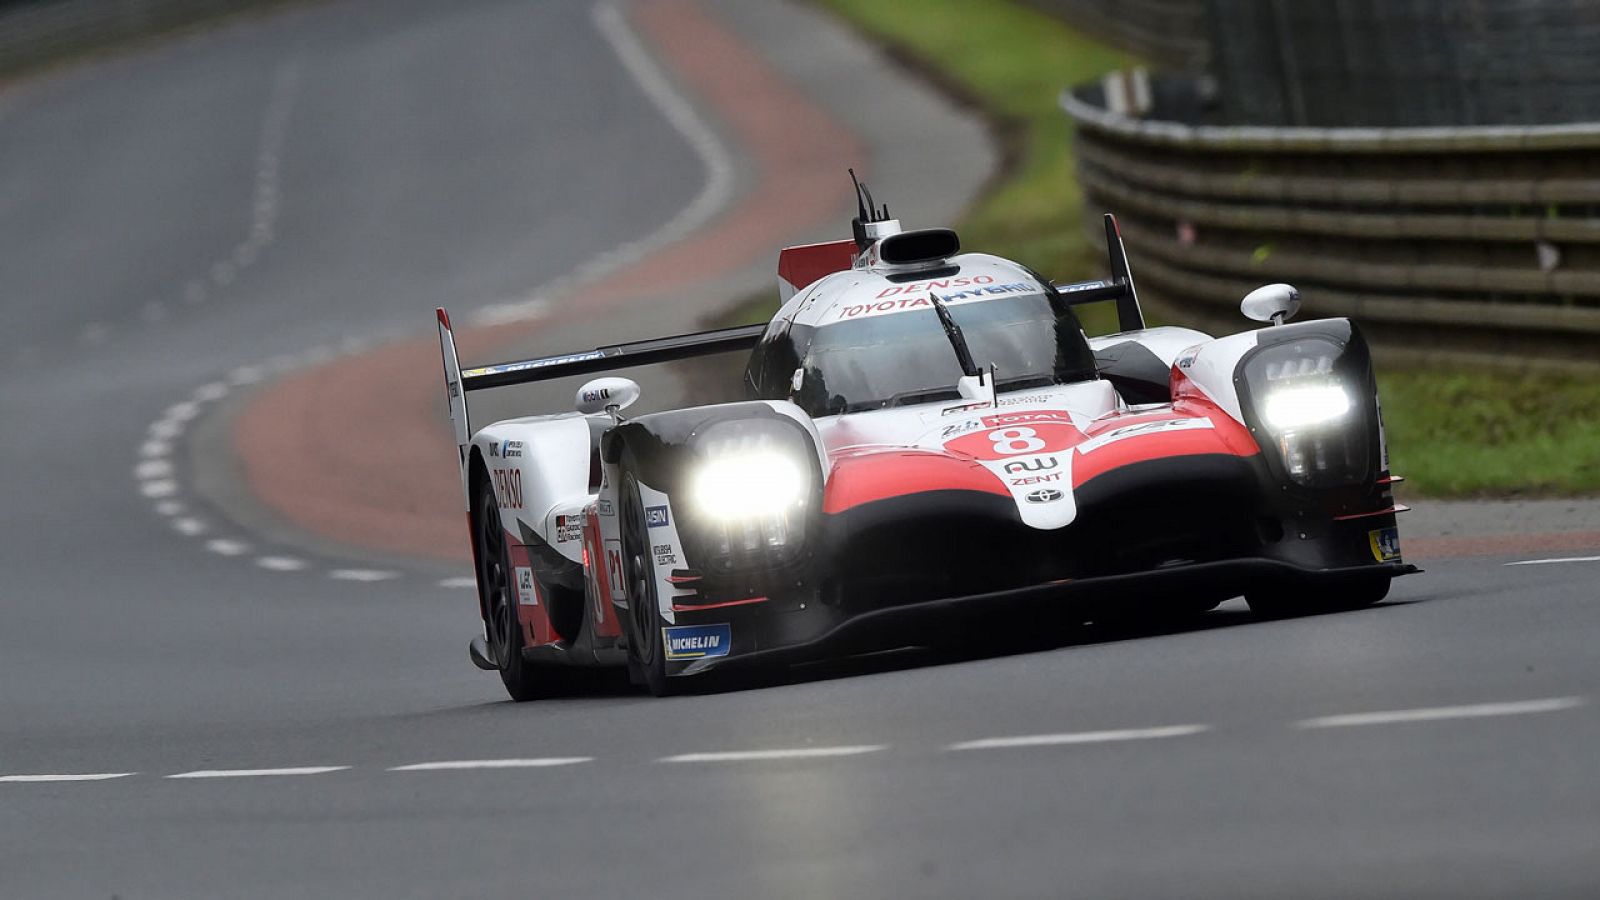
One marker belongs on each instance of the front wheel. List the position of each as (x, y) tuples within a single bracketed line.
[(1286, 601)]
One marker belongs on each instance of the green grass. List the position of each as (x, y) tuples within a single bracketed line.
[(1451, 432), (1492, 434)]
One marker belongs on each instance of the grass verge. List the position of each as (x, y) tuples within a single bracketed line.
[(1452, 432)]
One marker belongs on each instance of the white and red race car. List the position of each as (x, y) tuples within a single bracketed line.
[(930, 440)]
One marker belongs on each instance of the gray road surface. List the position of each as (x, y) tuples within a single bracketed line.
[(386, 147)]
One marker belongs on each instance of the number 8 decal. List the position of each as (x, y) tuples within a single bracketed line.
[(1016, 441)]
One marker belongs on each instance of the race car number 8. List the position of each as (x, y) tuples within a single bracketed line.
[(1015, 441)]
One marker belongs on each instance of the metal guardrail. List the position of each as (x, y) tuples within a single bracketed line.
[(1477, 241), (38, 32)]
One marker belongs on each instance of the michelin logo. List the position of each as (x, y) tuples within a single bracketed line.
[(698, 641)]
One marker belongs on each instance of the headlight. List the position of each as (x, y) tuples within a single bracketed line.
[(1306, 397), (1298, 407), (748, 485)]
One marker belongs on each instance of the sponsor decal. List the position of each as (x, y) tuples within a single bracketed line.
[(605, 508), (508, 487), (569, 528), (960, 428), (1044, 495), (1082, 286), (1047, 435), (923, 287), (916, 296), (454, 388), (532, 364), (1031, 465), (593, 396), (1186, 361), (950, 411), (665, 554), (655, 516), (615, 578), (1027, 418), (510, 449), (526, 596), (1143, 428), (698, 641), (1385, 543), (1036, 479)]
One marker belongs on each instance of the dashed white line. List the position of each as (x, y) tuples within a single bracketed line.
[(152, 468), (189, 526), (462, 764), (1080, 737), (154, 448), (244, 375), (170, 508), (211, 392), (367, 575), (258, 773), (182, 411), (1545, 562), (762, 755), (165, 429), (1437, 713), (37, 779), (162, 488), (459, 584), (226, 547), (281, 563)]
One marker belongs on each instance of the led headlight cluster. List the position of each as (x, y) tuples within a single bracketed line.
[(1307, 403), (750, 488)]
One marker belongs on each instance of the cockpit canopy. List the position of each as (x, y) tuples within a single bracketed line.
[(895, 353)]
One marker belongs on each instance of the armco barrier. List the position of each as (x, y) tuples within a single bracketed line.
[(1479, 242)]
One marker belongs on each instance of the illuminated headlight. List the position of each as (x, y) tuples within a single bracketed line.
[(748, 486), (1291, 407), (1308, 404)]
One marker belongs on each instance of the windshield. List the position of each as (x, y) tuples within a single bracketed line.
[(904, 358)]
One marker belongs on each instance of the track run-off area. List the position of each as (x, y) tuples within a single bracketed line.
[(208, 692)]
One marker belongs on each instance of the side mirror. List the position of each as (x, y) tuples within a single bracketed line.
[(1275, 303), (606, 394)]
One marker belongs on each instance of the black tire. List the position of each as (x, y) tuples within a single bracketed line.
[(1283, 602), (646, 652), (523, 681)]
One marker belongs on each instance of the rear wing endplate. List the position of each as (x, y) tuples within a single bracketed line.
[(1119, 287)]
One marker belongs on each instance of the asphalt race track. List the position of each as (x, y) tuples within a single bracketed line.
[(182, 723)]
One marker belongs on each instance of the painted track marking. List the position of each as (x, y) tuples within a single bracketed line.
[(258, 773), (37, 779), (757, 755), (1080, 737), (1564, 559), (1438, 713), (454, 765)]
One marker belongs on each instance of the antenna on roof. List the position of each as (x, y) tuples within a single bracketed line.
[(858, 225)]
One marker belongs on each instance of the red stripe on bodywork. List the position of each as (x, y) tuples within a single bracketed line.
[(697, 607), (1225, 436), (865, 477)]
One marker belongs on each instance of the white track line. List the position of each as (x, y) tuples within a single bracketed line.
[(1437, 713), (1080, 737), (258, 773), (757, 755), (37, 779), (227, 547), (453, 765), (460, 584), (367, 575), (1564, 559), (281, 563)]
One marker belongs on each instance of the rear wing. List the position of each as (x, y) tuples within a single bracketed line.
[(1119, 287), (458, 381)]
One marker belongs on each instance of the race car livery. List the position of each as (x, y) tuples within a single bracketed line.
[(929, 441)]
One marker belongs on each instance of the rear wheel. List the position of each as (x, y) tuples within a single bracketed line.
[(1286, 601), (499, 594), (646, 653)]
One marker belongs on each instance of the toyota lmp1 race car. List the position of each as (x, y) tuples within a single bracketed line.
[(930, 443)]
